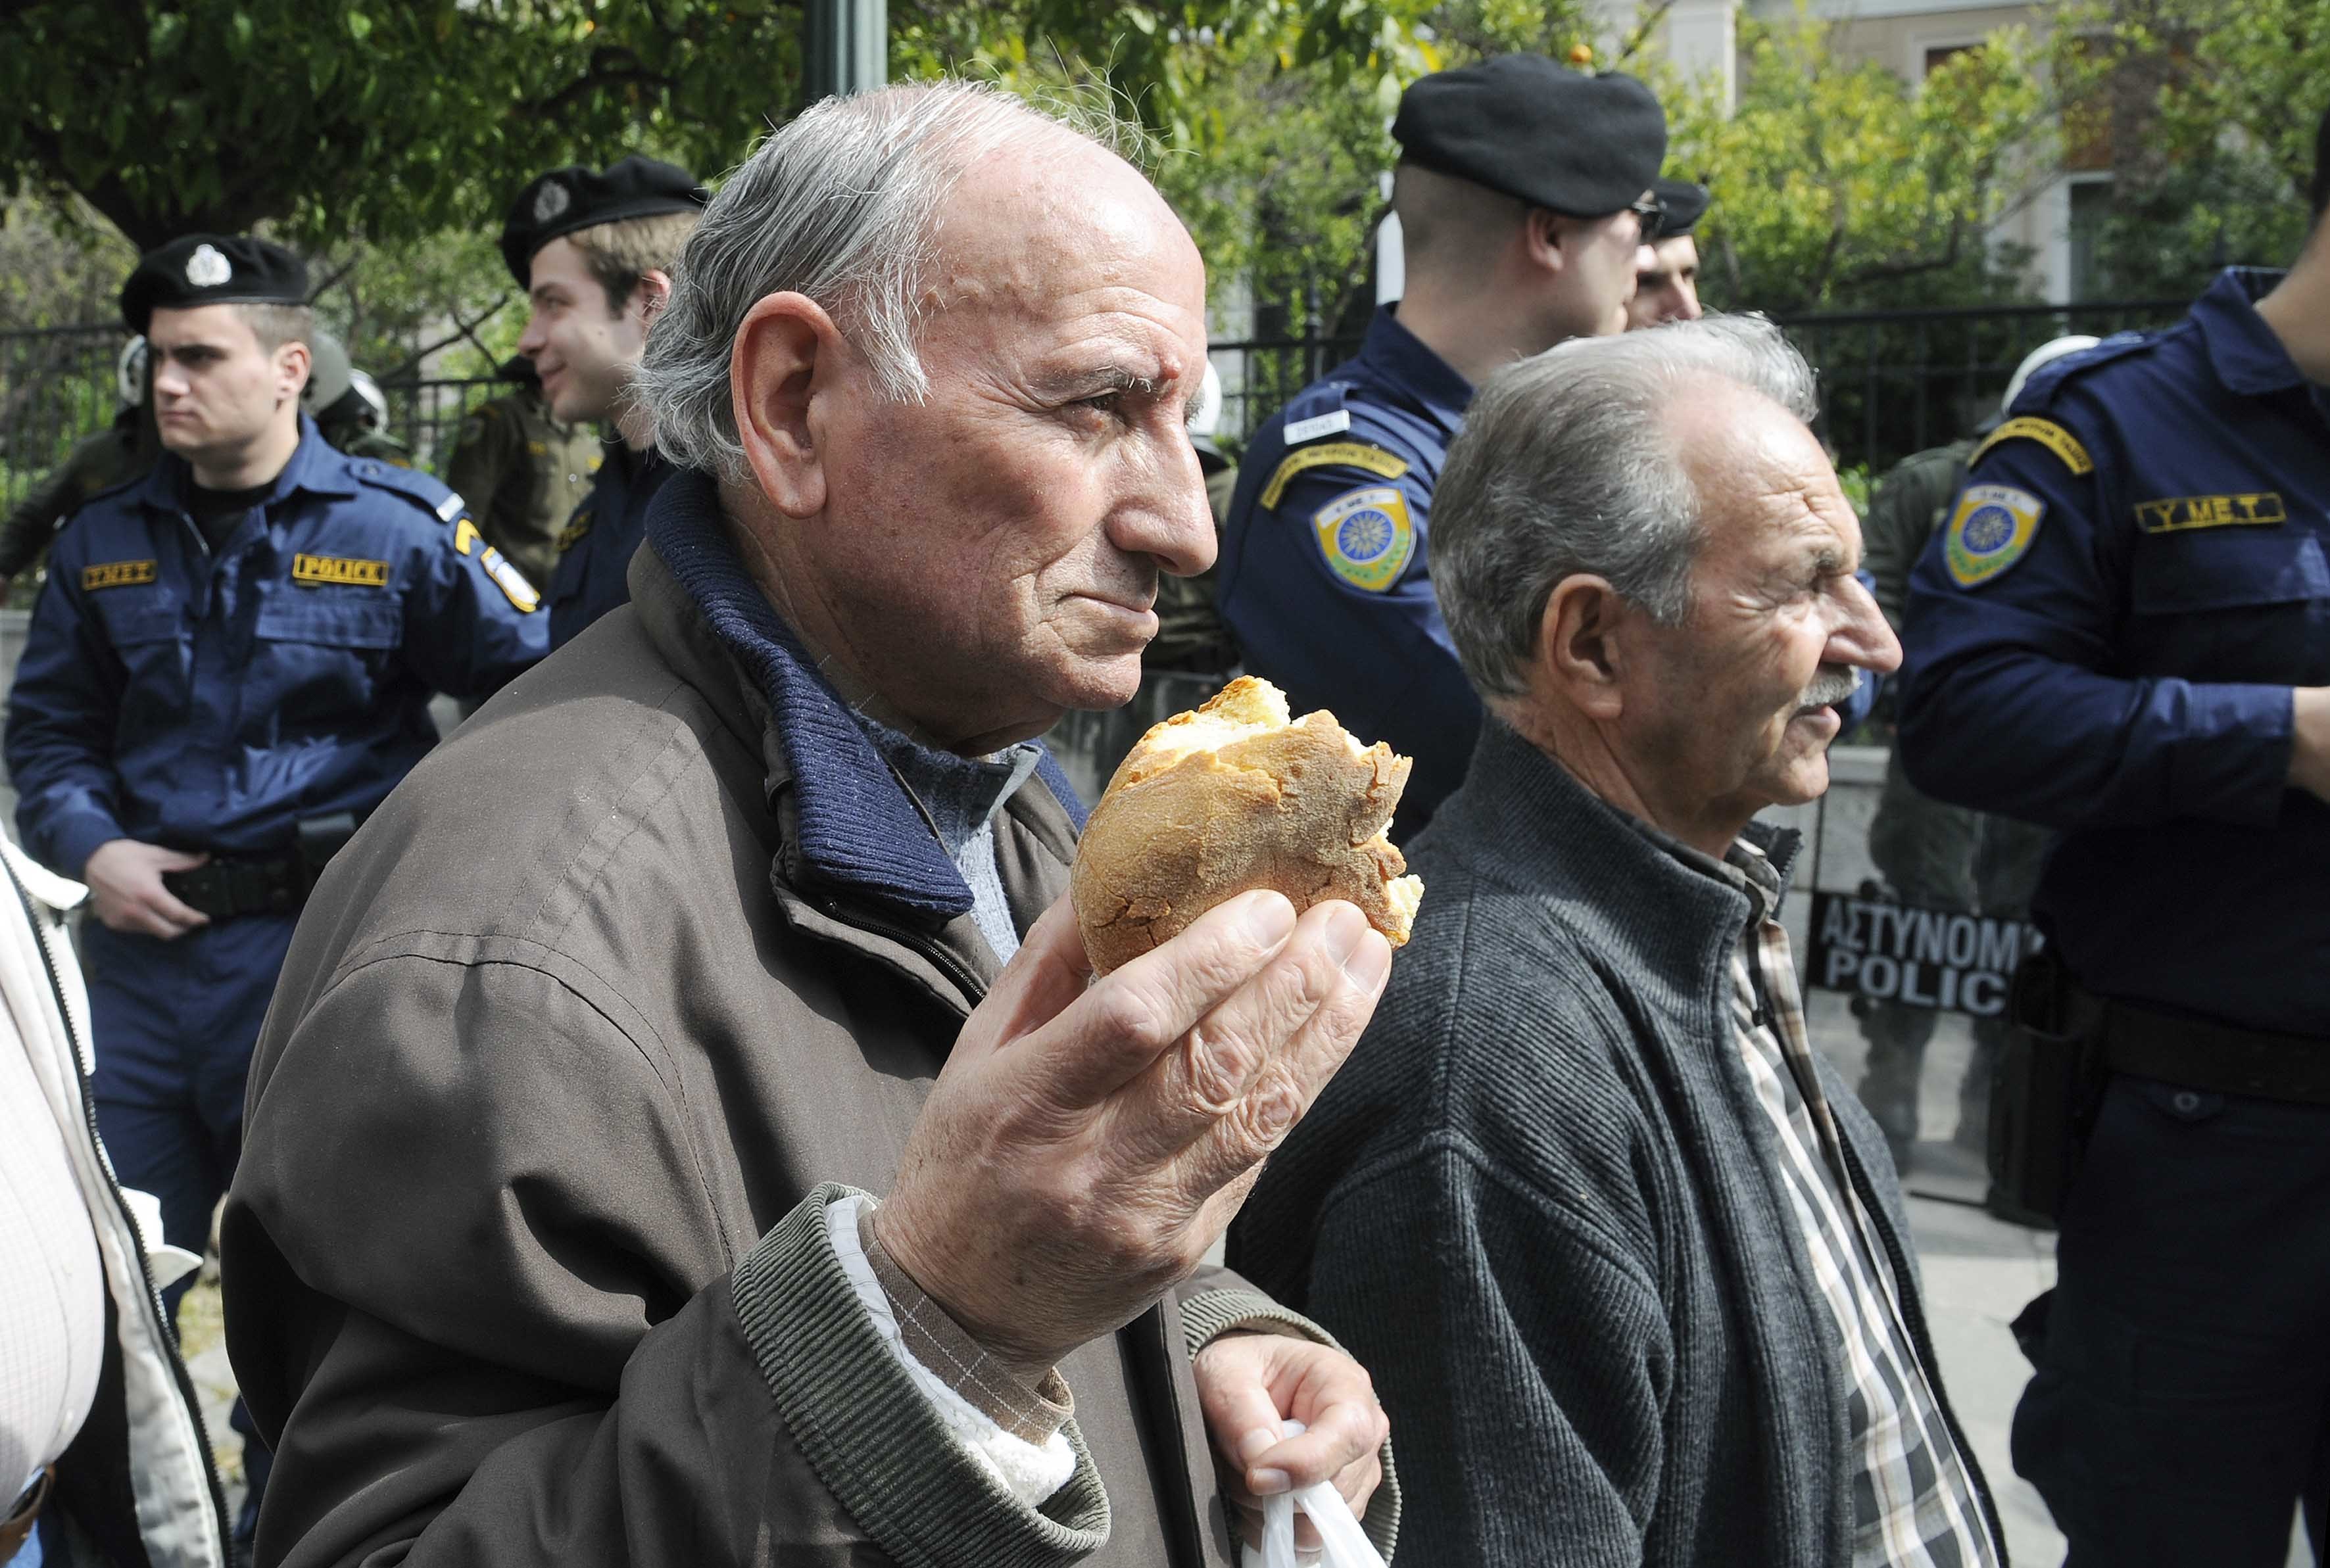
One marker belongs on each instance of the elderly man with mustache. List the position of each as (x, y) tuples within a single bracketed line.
[(1629, 1263), (688, 1131)]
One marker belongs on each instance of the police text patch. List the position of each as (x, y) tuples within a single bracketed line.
[(2175, 513), (1993, 526), (2048, 434), (316, 571), (1346, 454), (118, 574), (1366, 536)]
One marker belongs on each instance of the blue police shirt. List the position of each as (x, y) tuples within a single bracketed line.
[(1325, 579), (211, 703), (2103, 637), (595, 554)]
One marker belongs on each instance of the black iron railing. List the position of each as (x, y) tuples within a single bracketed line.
[(1892, 382)]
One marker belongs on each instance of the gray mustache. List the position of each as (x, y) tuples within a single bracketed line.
[(1832, 685)]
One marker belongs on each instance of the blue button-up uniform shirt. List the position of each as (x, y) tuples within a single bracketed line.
[(1326, 577), (594, 566), (2104, 638), (211, 702)]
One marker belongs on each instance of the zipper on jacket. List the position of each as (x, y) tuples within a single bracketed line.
[(914, 941), (1921, 1343), (190, 1401)]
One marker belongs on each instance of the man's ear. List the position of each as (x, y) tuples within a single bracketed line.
[(650, 294), (1582, 646), (786, 356), (293, 365), (1541, 231)]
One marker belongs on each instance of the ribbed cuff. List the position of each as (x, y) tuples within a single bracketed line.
[(869, 1433), (1210, 1314)]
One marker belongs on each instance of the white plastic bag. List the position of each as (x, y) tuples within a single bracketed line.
[(1346, 1544)]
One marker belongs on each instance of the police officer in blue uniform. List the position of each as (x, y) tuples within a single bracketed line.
[(2123, 631), (1523, 192), (229, 668), (594, 250)]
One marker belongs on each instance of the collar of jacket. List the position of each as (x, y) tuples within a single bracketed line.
[(859, 831), (1400, 353), (2245, 353), (316, 466), (1523, 820)]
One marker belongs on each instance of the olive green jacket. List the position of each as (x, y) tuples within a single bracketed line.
[(523, 474)]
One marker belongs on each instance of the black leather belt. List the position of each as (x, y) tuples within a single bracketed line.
[(2217, 1058), (230, 885)]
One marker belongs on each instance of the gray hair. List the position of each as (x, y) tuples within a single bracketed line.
[(843, 204), (1567, 467)]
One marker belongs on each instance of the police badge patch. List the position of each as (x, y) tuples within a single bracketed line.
[(1366, 536), (206, 268), (1993, 526)]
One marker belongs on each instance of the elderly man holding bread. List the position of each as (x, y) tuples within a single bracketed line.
[(556, 1236), (1628, 1262)]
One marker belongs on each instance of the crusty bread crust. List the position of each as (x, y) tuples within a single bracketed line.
[(1232, 798)]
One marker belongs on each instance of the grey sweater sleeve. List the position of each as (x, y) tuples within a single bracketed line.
[(1523, 1354)]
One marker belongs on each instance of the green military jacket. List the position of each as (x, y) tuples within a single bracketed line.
[(523, 474), (121, 451), (1902, 517)]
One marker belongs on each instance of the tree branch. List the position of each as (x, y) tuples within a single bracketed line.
[(461, 329)]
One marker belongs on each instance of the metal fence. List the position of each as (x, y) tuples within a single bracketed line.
[(1892, 382), (1897, 382)]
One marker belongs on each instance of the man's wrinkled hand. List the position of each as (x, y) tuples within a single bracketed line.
[(125, 888), (1087, 1142), (1248, 1383)]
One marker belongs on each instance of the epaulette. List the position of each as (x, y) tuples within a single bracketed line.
[(431, 495), (1316, 411), (2028, 420), (2049, 378)]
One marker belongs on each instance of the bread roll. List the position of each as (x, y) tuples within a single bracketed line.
[(1232, 798)]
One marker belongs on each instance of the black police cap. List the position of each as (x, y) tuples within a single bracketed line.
[(565, 200), (1540, 133), (198, 270), (1681, 204)]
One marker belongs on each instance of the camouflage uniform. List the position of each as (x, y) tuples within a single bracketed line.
[(523, 474), (121, 451), (1932, 855), (357, 439)]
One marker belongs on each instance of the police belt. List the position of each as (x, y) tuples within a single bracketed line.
[(227, 885), (2215, 1058)]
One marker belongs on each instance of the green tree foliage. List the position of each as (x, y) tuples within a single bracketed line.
[(390, 120), (1837, 183), (2203, 113)]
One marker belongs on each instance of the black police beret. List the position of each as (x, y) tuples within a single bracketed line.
[(1538, 132), (564, 200), (200, 270), (1682, 204)]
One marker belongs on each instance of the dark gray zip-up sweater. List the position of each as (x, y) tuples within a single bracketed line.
[(1541, 1204)]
